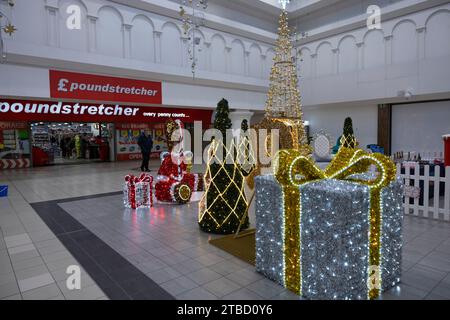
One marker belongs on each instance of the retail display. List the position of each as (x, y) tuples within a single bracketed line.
[(14, 145), (138, 191), (127, 135), (332, 234)]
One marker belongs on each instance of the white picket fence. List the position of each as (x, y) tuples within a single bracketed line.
[(429, 199)]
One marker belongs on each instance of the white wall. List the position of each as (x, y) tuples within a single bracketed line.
[(419, 127), (410, 51), (112, 30), (330, 119), (25, 81)]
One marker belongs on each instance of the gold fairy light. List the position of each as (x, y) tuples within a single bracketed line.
[(204, 206), (293, 170), (283, 110)]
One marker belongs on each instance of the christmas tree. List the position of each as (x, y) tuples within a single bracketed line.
[(244, 125), (224, 203), (283, 97), (348, 138), (283, 111), (283, 105), (222, 120)]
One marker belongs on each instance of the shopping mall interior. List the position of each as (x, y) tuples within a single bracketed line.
[(225, 150)]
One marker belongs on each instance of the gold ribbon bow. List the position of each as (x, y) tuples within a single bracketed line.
[(292, 170)]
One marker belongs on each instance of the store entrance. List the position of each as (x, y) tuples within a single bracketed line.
[(70, 142)]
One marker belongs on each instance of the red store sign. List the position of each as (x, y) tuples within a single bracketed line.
[(79, 86), (59, 111)]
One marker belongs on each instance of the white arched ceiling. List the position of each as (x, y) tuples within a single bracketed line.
[(404, 43), (374, 50), (75, 39), (237, 57), (324, 59), (347, 55), (171, 49), (110, 32), (218, 58), (142, 40), (437, 36), (304, 63), (255, 62)]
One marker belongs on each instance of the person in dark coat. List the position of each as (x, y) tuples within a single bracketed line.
[(145, 142)]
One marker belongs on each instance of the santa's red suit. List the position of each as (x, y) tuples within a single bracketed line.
[(174, 183)]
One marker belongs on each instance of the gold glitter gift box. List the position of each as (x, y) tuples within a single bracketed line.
[(324, 252)]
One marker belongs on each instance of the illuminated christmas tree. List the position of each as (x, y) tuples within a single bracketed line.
[(283, 109), (223, 204), (283, 105)]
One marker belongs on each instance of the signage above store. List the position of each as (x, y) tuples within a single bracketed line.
[(79, 86), (59, 111)]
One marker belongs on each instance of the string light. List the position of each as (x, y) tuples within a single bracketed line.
[(312, 193), (283, 109), (235, 180)]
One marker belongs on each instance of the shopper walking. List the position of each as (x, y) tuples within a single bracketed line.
[(145, 142)]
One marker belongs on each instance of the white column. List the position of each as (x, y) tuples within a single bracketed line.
[(52, 25), (335, 61), (127, 40), (421, 42), (264, 66), (360, 64), (92, 32), (157, 38), (207, 55), (314, 65), (247, 63), (185, 54), (388, 49), (228, 59)]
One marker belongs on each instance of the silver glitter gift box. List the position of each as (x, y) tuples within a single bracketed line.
[(334, 236)]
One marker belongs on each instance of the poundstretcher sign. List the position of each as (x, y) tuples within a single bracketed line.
[(79, 86), (58, 111)]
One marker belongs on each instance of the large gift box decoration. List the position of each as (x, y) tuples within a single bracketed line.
[(333, 234), (138, 191)]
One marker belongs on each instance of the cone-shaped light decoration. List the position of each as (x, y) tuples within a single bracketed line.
[(284, 97), (283, 102)]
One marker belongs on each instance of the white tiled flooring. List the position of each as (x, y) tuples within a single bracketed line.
[(33, 262)]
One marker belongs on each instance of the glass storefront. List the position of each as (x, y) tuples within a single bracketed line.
[(69, 142), (14, 144)]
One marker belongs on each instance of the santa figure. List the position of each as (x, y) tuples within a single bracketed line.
[(174, 182)]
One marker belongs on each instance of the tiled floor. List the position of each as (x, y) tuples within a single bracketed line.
[(164, 244)]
